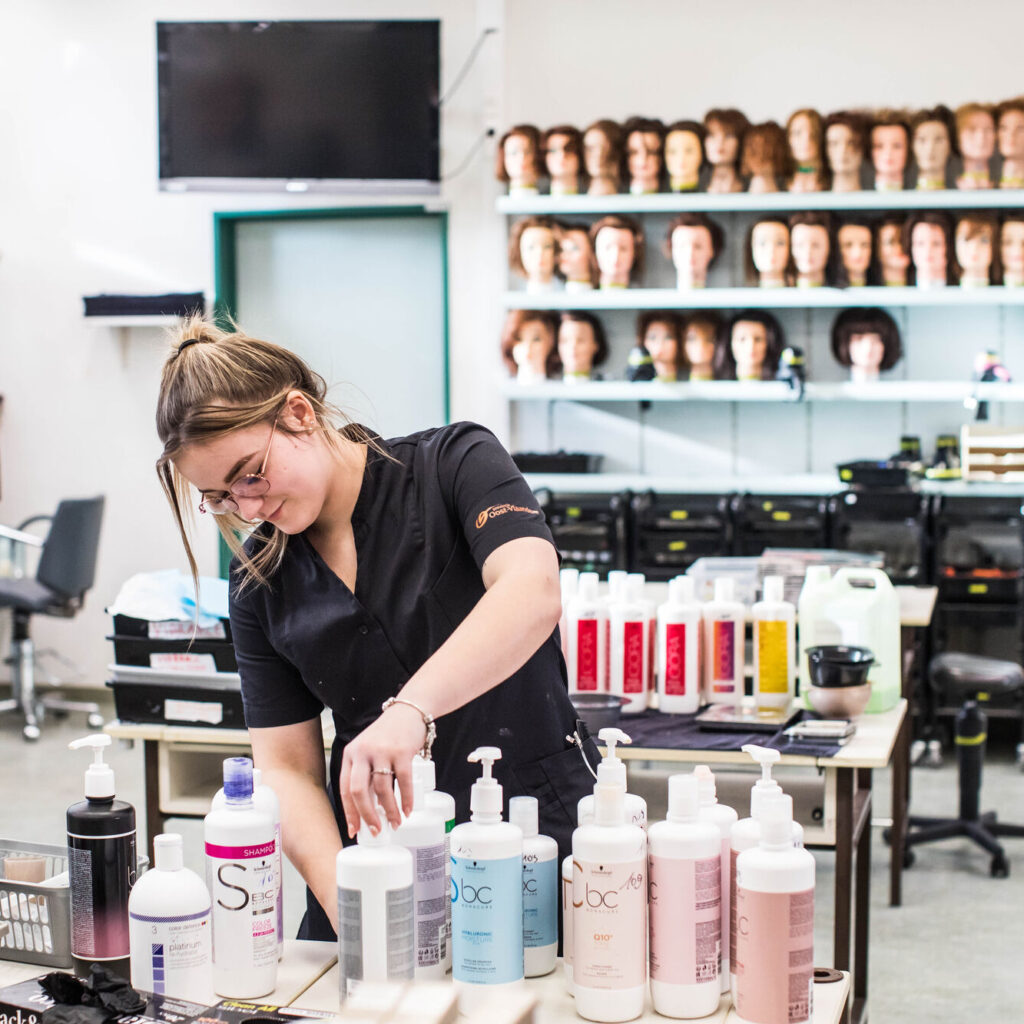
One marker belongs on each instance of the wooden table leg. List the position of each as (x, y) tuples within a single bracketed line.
[(844, 869), (154, 818), (862, 896)]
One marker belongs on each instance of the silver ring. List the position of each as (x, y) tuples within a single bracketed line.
[(382, 771)]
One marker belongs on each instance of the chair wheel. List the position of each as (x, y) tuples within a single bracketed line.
[(31, 733), (1000, 867), (908, 858), (95, 721)]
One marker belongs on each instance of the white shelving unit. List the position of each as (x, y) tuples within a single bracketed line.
[(131, 321)]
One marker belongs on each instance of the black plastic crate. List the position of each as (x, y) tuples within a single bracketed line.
[(671, 531), (128, 625), (779, 521), (132, 650), (589, 530), (207, 704), (557, 462)]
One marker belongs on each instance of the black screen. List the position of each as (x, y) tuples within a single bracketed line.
[(300, 99)]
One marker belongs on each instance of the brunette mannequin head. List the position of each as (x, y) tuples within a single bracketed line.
[(562, 147), (725, 127), (661, 333), (928, 240), (867, 341), (518, 158), (767, 256), (533, 251), (976, 247), (602, 156), (804, 134), (1010, 134), (693, 242), (933, 141), (582, 344), (619, 250), (845, 141), (702, 333), (1011, 249), (644, 142), (890, 148), (576, 263), (751, 347), (528, 345), (810, 242), (976, 140), (854, 261), (892, 261), (684, 155), (765, 157)]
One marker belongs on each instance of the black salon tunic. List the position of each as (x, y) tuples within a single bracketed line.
[(424, 524)]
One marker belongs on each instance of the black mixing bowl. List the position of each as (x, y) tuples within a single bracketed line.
[(839, 665), (598, 710)]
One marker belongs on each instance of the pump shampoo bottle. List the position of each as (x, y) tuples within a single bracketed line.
[(627, 646), (724, 656), (242, 876), (423, 835), (102, 868), (678, 647), (443, 805), (613, 771), (610, 911), (170, 926), (376, 915), (775, 924), (588, 642), (774, 648), (540, 889), (685, 866), (487, 893)]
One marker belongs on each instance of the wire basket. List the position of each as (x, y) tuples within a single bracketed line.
[(38, 913)]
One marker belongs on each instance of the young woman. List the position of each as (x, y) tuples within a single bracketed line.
[(415, 573)]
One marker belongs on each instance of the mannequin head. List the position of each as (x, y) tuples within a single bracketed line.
[(528, 345), (533, 249), (931, 138), (976, 132), (803, 133), (576, 263), (562, 147), (692, 243), (867, 341), (1011, 249), (977, 255), (619, 250), (1010, 132), (928, 239), (602, 156), (701, 334), (810, 242), (518, 158), (767, 259), (751, 347), (890, 143), (844, 149), (765, 157), (725, 127), (581, 343), (661, 334), (854, 245), (644, 144), (684, 155), (892, 260)]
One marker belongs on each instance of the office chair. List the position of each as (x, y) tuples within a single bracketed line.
[(67, 569), (968, 675)]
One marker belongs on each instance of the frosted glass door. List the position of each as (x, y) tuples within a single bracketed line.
[(361, 298)]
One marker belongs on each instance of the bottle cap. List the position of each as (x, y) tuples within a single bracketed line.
[(777, 822), (257, 778), (766, 785), (617, 584), (423, 769), (725, 589), (609, 804), (612, 770), (683, 798), (167, 852), (588, 586), (485, 797), (680, 590), (237, 780), (569, 580), (638, 576), (365, 837), (523, 811), (774, 589), (817, 575), (635, 589), (705, 785), (99, 776)]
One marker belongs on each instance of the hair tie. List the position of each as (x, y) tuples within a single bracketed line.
[(185, 344)]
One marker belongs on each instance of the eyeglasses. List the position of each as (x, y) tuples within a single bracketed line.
[(251, 485)]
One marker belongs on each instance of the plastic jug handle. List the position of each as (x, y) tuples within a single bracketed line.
[(875, 576)]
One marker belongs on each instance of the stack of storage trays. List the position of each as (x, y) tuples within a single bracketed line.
[(589, 530), (162, 673), (778, 521), (894, 523), (671, 531), (979, 572)]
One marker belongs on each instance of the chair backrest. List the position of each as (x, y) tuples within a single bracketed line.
[(68, 560)]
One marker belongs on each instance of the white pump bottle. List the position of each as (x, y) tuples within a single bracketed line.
[(612, 770)]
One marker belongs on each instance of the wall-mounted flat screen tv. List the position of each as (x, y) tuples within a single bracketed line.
[(343, 105)]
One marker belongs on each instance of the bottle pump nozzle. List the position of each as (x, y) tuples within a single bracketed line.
[(765, 785), (485, 796), (612, 770), (99, 776)]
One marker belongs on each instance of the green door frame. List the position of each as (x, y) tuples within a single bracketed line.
[(225, 262)]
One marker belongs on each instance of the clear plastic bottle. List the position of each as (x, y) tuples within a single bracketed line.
[(442, 804), (587, 627), (685, 865), (724, 646), (627, 646), (678, 649), (774, 647), (540, 889)]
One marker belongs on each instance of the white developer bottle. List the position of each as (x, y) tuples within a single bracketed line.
[(724, 652), (540, 889), (678, 649), (685, 866), (612, 770), (775, 921), (442, 804), (650, 624), (587, 645), (487, 894), (569, 581), (817, 584), (169, 928), (723, 818), (376, 916), (422, 834), (610, 906), (627, 646), (242, 878), (774, 647)]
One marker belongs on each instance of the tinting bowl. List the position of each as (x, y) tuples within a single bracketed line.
[(598, 710), (839, 701), (839, 666)]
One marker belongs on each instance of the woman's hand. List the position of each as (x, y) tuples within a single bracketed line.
[(378, 757)]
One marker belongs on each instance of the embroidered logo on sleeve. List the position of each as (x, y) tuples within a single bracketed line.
[(499, 510)]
